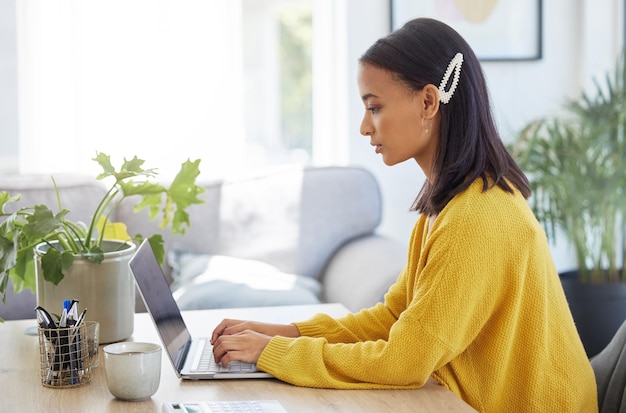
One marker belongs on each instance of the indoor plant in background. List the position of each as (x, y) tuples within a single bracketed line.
[(89, 262), (576, 164)]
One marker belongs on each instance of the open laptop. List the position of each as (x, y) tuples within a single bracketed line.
[(192, 358)]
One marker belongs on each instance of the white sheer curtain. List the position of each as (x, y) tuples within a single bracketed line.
[(160, 79)]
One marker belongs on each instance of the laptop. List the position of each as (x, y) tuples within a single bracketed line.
[(192, 358)]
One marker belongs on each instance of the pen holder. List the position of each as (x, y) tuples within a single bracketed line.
[(92, 335), (63, 355)]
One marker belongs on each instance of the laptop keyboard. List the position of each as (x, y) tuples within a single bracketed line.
[(205, 362)]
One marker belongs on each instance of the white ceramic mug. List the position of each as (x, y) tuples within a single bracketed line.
[(133, 370)]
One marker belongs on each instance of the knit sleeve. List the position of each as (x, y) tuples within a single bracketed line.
[(368, 324), (316, 362)]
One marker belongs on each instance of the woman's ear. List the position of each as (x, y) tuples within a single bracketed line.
[(430, 101)]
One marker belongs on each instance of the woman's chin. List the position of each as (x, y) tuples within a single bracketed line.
[(391, 161)]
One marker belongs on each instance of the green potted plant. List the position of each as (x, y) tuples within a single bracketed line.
[(576, 164), (58, 258)]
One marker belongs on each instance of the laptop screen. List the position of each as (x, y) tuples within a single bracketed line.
[(160, 303)]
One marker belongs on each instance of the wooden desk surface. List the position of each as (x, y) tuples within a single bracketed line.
[(21, 389)]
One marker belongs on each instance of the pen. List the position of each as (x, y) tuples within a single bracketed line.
[(75, 349), (81, 318), (64, 347), (70, 311), (63, 320), (77, 326)]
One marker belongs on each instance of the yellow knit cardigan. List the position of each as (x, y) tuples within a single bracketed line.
[(479, 307)]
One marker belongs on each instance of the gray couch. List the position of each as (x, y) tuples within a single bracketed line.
[(287, 236)]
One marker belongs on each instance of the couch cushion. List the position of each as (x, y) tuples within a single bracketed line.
[(203, 281), (291, 218)]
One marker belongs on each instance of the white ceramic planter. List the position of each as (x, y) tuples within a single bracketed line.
[(106, 290)]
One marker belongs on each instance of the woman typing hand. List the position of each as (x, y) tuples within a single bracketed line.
[(239, 340)]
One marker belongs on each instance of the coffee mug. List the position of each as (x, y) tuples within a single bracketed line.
[(133, 369)]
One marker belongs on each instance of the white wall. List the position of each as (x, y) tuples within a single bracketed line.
[(581, 39)]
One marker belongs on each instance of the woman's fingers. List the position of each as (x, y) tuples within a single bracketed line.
[(245, 346), (231, 327), (223, 328)]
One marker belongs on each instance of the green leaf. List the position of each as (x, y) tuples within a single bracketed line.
[(43, 222), (105, 162), (95, 254), (4, 282), (24, 261), (53, 263), (8, 257), (180, 222), (151, 193), (134, 165), (6, 198), (143, 188), (25, 265), (184, 192), (153, 203), (128, 169)]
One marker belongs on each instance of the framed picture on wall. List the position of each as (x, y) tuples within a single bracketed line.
[(497, 30)]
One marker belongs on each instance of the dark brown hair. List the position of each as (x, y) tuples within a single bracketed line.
[(469, 147)]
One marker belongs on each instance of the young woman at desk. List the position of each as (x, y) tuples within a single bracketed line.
[(479, 306)]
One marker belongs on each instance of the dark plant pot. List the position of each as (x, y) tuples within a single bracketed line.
[(598, 310)]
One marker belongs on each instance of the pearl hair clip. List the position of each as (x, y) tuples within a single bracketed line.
[(455, 64)]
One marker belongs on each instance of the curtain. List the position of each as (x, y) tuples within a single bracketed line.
[(159, 79)]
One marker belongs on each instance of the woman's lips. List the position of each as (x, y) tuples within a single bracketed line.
[(379, 148)]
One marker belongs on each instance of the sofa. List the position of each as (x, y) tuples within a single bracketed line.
[(278, 237)]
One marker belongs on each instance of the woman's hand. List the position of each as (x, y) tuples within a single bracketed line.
[(245, 346), (230, 327), (245, 340)]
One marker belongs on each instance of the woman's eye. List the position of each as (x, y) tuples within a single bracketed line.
[(374, 110)]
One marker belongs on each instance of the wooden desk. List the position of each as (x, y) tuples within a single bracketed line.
[(21, 389)]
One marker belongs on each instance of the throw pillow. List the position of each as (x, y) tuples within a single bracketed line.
[(202, 281)]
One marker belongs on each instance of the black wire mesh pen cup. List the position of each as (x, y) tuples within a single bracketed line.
[(63, 356)]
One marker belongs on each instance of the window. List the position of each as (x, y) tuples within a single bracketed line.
[(227, 81), (277, 50)]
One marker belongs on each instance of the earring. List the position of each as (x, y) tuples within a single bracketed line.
[(426, 128)]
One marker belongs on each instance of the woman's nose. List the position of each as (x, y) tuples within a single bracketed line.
[(365, 129)]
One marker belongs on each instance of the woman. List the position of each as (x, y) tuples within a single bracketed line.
[(479, 306)]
